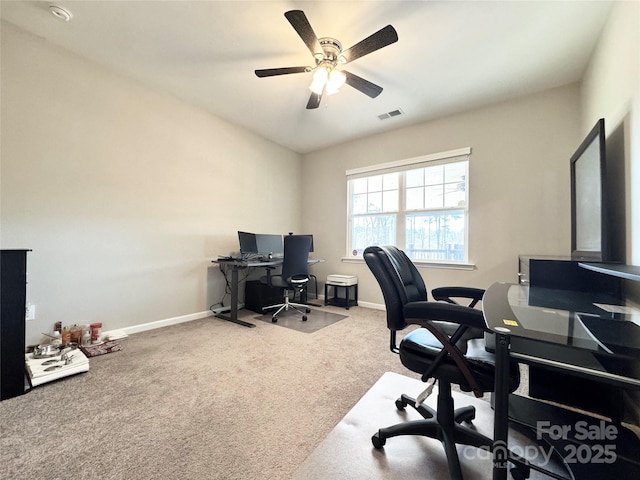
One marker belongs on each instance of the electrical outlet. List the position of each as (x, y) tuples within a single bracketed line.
[(31, 312)]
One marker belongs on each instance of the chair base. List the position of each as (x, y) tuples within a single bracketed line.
[(287, 305), (444, 424)]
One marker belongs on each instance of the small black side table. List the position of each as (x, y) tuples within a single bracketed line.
[(347, 301)]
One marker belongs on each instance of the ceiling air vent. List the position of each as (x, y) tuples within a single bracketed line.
[(393, 113)]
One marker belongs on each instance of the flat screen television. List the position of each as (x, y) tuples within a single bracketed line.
[(589, 232)]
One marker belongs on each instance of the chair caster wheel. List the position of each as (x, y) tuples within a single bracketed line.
[(401, 404), (304, 318), (377, 441), (274, 319), (308, 310)]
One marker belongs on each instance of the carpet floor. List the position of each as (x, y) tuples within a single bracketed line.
[(206, 399)]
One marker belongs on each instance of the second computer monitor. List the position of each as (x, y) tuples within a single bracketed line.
[(268, 244), (263, 244)]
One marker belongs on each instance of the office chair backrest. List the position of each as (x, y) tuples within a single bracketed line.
[(296, 256), (399, 281)]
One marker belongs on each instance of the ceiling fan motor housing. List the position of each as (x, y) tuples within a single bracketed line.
[(332, 49)]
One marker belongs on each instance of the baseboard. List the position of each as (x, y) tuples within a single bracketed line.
[(160, 323), (195, 316), (373, 306)]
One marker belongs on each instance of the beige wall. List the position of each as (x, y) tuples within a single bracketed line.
[(611, 90), (519, 185), (124, 194)]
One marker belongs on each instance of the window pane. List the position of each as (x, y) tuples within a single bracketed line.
[(433, 197), (375, 183), (436, 236), (456, 178), (373, 230), (359, 185), (375, 203), (415, 198), (455, 172), (414, 178), (455, 195), (434, 175), (359, 204), (390, 181), (390, 201)]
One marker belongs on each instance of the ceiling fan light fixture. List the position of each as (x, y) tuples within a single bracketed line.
[(320, 77), (325, 77), (336, 80)]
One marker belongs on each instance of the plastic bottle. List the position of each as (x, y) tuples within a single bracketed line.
[(95, 332), (86, 336)]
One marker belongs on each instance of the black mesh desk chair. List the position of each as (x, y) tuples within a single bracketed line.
[(294, 276)]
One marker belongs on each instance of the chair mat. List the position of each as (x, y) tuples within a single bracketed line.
[(316, 320), (347, 452)]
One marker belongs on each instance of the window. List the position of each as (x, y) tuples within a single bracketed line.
[(421, 205)]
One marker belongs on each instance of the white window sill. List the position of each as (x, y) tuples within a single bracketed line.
[(422, 264)]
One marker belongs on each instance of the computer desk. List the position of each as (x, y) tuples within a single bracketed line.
[(542, 327), (237, 265)]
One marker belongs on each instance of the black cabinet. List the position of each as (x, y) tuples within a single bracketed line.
[(258, 295), (13, 296)]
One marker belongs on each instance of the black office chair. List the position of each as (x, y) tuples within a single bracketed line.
[(449, 349), (294, 276)]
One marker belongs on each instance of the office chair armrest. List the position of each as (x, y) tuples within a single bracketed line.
[(445, 312), (425, 313), (447, 294)]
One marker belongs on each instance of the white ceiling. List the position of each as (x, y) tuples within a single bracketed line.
[(450, 56)]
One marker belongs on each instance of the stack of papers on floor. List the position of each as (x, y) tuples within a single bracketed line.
[(39, 375)]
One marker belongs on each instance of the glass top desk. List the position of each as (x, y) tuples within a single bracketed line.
[(587, 334)]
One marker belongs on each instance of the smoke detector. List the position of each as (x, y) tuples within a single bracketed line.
[(60, 13)]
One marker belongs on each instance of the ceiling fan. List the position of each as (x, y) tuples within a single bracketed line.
[(328, 55)]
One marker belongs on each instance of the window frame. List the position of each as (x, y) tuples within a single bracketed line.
[(451, 156)]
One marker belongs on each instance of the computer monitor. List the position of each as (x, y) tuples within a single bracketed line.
[(247, 242), (268, 244)]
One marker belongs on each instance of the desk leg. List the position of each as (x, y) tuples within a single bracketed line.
[(501, 408), (233, 314)]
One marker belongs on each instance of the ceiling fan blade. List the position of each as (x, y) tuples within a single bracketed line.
[(270, 72), (314, 101), (382, 38), (365, 86), (299, 22)]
